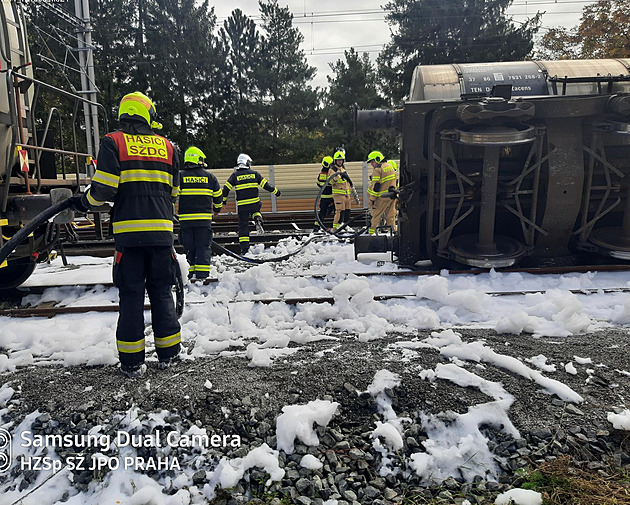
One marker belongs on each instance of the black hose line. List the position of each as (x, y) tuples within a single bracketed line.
[(35, 223), (260, 261)]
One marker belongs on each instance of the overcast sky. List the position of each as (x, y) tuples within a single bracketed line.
[(330, 26)]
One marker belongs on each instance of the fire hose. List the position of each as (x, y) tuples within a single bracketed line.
[(50, 213)]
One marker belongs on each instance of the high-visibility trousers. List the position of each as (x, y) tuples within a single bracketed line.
[(136, 269), (244, 212), (342, 202), (383, 207), (196, 241)]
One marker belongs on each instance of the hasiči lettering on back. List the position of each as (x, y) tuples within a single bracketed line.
[(150, 146)]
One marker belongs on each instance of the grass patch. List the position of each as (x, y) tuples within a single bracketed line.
[(560, 483)]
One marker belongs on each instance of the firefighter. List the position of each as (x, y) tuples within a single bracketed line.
[(384, 179), (246, 181), (139, 171), (199, 195), (326, 200), (341, 189)]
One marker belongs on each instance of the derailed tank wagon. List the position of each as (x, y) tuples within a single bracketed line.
[(509, 162)]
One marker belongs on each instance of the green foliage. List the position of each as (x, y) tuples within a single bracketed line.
[(430, 32), (239, 87), (354, 81), (289, 106), (603, 32), (537, 481)]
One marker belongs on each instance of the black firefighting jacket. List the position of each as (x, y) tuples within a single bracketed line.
[(246, 182), (321, 180), (139, 172), (199, 194)]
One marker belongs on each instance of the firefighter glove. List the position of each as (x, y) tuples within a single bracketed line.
[(77, 203)]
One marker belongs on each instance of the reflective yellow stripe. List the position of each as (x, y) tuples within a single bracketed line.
[(336, 225), (199, 191), (146, 176), (4, 222), (249, 185), (371, 192), (92, 201), (243, 239), (218, 205), (138, 225), (128, 347), (248, 201), (106, 179), (169, 341), (327, 196), (256, 214), (4, 264), (389, 178), (175, 191), (371, 231), (340, 192), (228, 185), (192, 217), (218, 192), (263, 182), (275, 191), (191, 268), (203, 268), (376, 178)]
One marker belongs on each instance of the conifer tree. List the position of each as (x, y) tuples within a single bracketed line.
[(430, 32)]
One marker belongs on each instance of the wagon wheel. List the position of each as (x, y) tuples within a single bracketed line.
[(16, 272)]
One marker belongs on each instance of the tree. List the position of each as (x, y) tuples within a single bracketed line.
[(180, 53), (430, 32), (118, 41), (354, 81), (290, 105), (240, 43), (603, 32)]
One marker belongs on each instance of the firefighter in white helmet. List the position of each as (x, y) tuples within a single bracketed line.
[(246, 181)]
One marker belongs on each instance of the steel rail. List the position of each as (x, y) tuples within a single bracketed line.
[(49, 312), (39, 289)]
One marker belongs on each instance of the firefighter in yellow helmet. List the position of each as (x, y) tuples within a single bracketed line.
[(200, 196), (139, 171), (326, 202), (384, 178), (341, 189)]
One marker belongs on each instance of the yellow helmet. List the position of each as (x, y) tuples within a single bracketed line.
[(339, 155), (327, 161), (195, 155), (140, 105), (376, 156), (393, 164)]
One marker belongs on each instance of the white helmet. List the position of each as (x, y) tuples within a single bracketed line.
[(243, 161)]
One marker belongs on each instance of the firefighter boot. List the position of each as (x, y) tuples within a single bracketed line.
[(258, 221)]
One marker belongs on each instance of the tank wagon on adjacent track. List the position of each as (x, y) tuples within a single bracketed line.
[(509, 162), (41, 139)]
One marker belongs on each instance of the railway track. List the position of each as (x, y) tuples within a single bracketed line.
[(93, 239), (49, 311)]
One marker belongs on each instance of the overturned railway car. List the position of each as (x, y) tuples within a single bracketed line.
[(516, 161)]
